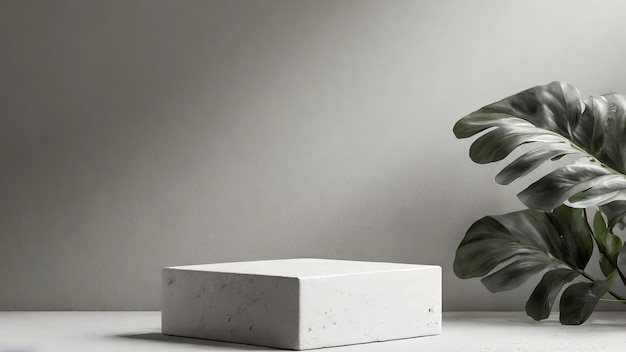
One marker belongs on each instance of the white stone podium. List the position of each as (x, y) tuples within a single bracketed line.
[(302, 303)]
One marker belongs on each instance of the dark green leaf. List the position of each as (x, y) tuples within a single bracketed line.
[(599, 225), (471, 262), (497, 144), (529, 162), (513, 275), (606, 266), (621, 263), (575, 235), (579, 300), (555, 107), (541, 300), (607, 141), (609, 244), (602, 190), (590, 133), (481, 121), (524, 242), (554, 117), (615, 213), (556, 187)]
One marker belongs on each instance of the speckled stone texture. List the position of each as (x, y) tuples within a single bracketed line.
[(302, 303)]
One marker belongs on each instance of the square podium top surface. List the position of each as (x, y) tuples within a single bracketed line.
[(303, 267)]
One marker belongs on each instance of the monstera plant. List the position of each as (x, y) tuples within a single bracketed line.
[(575, 207)]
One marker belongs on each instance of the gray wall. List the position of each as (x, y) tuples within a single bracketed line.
[(141, 134)]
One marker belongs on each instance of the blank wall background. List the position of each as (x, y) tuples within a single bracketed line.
[(136, 135)]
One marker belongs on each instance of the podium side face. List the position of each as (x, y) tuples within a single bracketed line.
[(241, 308)]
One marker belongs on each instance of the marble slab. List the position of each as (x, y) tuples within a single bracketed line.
[(302, 303)]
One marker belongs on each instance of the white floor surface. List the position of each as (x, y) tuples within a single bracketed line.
[(462, 331)]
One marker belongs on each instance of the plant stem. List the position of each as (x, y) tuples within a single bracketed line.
[(613, 300), (618, 298)]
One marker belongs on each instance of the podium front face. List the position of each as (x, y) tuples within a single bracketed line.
[(302, 303)]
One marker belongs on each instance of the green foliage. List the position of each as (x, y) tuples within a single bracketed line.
[(554, 235)]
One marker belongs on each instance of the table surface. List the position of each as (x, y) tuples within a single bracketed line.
[(462, 331)]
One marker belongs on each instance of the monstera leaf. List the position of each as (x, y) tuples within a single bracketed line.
[(506, 250), (553, 121), (554, 236)]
